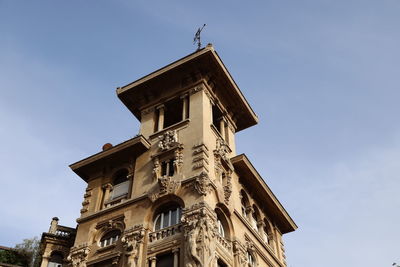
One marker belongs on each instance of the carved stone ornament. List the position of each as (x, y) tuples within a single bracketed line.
[(200, 157), (228, 189), (167, 186), (222, 149), (156, 168), (200, 228), (177, 150), (202, 184), (113, 223), (78, 256), (240, 253), (131, 241), (168, 140)]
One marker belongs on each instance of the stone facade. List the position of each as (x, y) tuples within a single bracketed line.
[(177, 194)]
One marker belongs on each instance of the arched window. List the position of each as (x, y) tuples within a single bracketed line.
[(167, 217), (244, 203), (56, 259), (110, 238), (255, 218), (250, 259), (222, 223), (267, 232), (121, 184)]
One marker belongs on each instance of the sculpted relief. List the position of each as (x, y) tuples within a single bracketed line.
[(199, 232)]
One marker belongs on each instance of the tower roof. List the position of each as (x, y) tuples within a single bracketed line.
[(139, 94)]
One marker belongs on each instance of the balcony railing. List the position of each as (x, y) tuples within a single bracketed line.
[(165, 232), (224, 243)]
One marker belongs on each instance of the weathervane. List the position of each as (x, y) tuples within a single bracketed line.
[(197, 37)]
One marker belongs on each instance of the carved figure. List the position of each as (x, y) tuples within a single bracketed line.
[(131, 241)]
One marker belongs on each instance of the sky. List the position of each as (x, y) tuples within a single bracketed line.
[(322, 76)]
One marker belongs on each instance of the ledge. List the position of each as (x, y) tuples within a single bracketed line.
[(175, 126), (132, 148), (249, 176), (110, 209)]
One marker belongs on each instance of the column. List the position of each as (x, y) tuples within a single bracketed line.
[(185, 111), (176, 257), (222, 128), (45, 262), (160, 124), (107, 189), (153, 261)]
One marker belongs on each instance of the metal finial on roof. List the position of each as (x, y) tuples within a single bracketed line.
[(197, 37)]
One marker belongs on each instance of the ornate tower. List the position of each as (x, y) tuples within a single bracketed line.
[(177, 194)]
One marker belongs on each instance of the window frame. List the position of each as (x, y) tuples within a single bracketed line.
[(161, 216)]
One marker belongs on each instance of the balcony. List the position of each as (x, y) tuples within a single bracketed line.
[(165, 233), (223, 242)]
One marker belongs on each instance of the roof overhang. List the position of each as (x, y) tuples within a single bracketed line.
[(129, 149), (205, 60), (252, 179)]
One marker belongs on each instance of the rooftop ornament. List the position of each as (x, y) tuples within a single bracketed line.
[(196, 38)]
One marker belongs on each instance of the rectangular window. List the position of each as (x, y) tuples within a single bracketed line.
[(167, 168), (120, 190), (173, 112)]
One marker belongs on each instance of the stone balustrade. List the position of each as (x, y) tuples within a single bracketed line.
[(224, 243), (165, 232)]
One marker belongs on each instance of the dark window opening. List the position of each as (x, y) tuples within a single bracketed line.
[(217, 117), (56, 259), (120, 177), (167, 167), (173, 112), (166, 260), (221, 264)]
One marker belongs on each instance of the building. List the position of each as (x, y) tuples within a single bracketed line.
[(177, 194)]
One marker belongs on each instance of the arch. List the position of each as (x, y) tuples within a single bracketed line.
[(267, 232), (110, 237), (255, 217), (162, 202), (166, 212), (245, 202), (120, 176), (224, 221), (121, 184)]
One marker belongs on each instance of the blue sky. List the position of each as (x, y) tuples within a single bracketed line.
[(322, 75)]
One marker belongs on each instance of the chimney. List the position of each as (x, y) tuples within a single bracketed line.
[(53, 225)]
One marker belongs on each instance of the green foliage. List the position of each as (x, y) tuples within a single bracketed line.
[(13, 257), (25, 254), (29, 249)]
